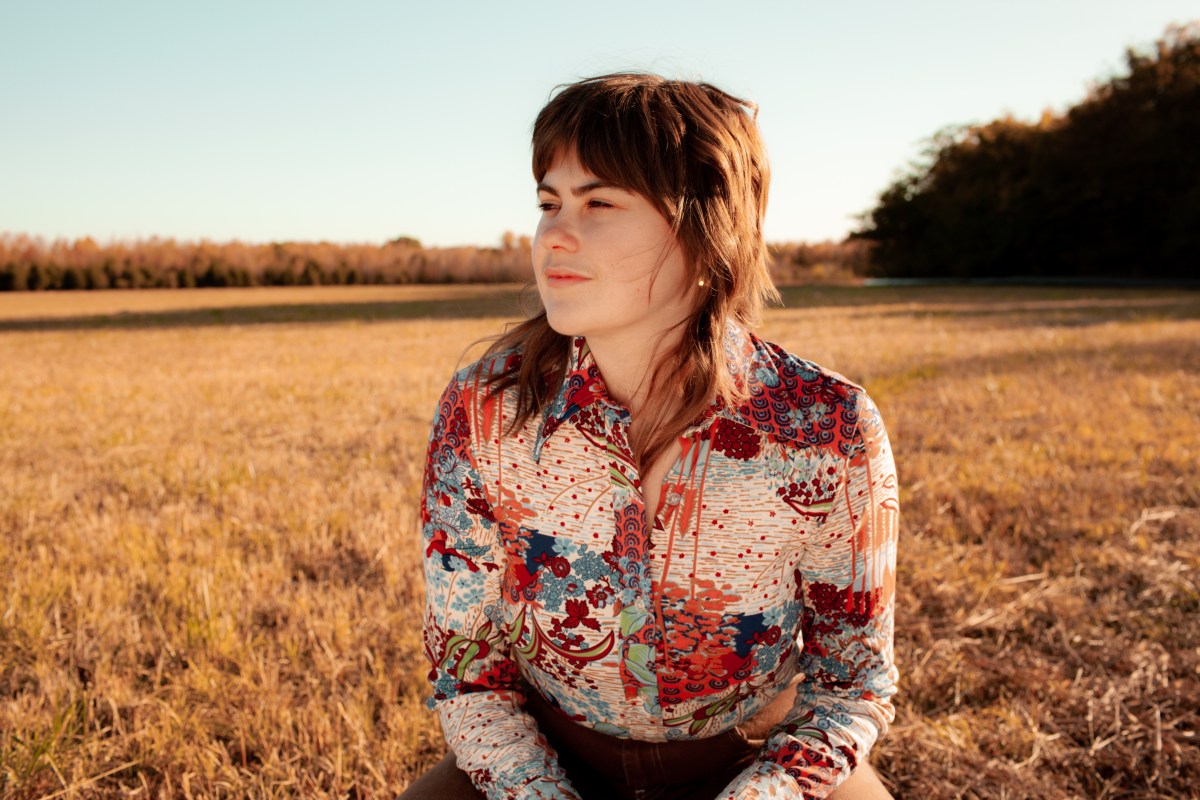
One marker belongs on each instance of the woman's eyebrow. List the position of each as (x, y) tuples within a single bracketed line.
[(578, 191)]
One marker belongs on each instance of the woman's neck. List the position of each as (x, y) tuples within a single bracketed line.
[(628, 364)]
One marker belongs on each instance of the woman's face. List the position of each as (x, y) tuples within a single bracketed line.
[(606, 263)]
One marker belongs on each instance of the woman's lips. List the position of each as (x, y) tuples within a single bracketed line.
[(559, 277)]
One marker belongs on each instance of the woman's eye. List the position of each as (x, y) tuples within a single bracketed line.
[(550, 205)]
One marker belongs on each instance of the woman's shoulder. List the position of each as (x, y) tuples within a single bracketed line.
[(793, 398), (488, 367), (473, 391), (796, 378)]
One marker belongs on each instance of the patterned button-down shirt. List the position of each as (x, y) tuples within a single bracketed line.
[(772, 556)]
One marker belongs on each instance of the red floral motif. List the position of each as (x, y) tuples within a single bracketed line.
[(855, 608), (768, 637), (700, 643), (479, 506), (734, 440), (560, 566), (599, 595), (577, 614), (803, 495)]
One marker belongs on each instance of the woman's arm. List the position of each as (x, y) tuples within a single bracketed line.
[(844, 702), (476, 691)]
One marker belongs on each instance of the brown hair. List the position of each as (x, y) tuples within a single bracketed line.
[(695, 153)]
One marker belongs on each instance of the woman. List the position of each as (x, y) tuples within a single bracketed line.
[(659, 550)]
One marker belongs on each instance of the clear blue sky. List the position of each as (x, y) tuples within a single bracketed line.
[(362, 121)]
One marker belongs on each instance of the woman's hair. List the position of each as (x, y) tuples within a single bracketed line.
[(695, 153)]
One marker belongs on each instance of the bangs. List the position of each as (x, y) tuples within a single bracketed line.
[(623, 131)]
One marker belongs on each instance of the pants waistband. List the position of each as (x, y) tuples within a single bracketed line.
[(643, 764)]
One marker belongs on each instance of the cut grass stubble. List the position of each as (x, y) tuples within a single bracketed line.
[(208, 536)]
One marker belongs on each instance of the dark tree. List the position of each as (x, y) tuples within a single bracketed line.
[(1110, 190)]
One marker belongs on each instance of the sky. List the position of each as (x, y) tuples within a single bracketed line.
[(363, 121)]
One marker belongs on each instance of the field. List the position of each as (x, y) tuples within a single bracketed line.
[(210, 564)]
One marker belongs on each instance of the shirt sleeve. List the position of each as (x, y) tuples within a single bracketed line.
[(476, 692), (844, 702)]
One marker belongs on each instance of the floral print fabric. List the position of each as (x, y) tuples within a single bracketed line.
[(772, 557)]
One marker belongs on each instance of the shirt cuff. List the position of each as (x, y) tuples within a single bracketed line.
[(546, 789), (761, 781)]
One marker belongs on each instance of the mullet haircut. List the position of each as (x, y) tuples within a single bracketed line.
[(695, 153)]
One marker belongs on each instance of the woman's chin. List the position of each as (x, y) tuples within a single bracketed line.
[(565, 324)]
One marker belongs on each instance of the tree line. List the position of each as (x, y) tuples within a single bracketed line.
[(33, 264), (1109, 189)]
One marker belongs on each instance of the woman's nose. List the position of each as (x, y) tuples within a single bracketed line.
[(559, 235)]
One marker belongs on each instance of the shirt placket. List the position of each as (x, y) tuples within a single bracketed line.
[(640, 640)]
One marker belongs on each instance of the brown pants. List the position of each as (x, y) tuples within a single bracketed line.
[(602, 767)]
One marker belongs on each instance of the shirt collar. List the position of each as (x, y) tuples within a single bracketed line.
[(583, 386)]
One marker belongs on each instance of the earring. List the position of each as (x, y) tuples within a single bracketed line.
[(701, 282)]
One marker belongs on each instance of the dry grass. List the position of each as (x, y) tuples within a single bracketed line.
[(210, 556)]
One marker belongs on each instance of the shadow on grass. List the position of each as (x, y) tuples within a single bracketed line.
[(1008, 306), (1059, 306), (503, 303), (1109, 361)]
